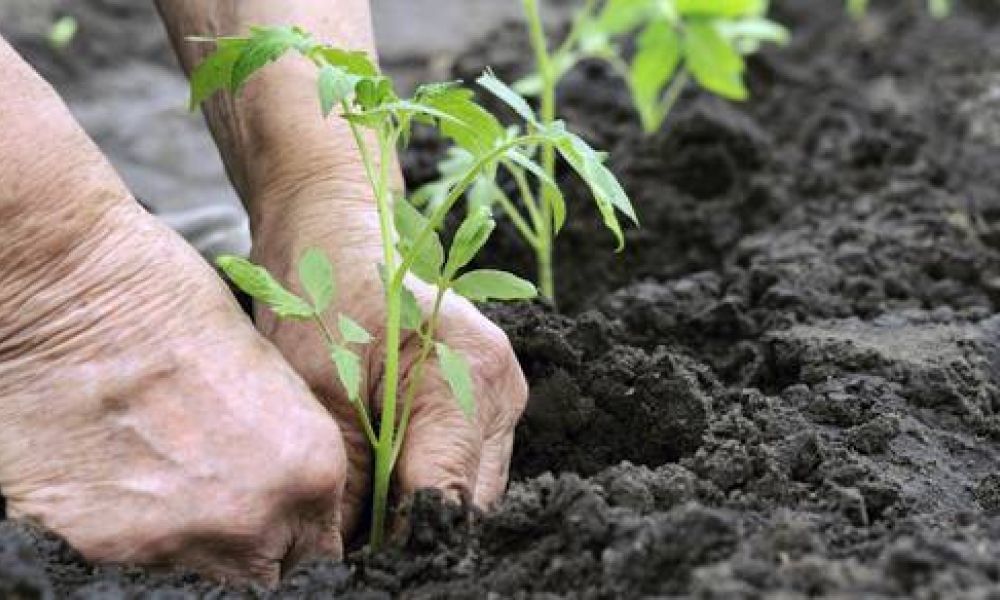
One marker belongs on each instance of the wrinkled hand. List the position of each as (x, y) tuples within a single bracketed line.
[(442, 448), (144, 419)]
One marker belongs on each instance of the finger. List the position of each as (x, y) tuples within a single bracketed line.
[(318, 538), (441, 447), (312, 512), (358, 484), (494, 469), (506, 395), (299, 344)]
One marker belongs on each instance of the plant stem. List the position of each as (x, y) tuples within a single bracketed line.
[(390, 376), (670, 99), (527, 196), (542, 239), (418, 372), (546, 71), (515, 216)]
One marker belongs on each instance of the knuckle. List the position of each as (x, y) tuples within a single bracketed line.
[(501, 372), (318, 472), (493, 357)]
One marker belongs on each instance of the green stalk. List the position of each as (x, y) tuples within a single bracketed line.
[(359, 405), (669, 100), (418, 372), (515, 216), (390, 377), (546, 71), (527, 196)]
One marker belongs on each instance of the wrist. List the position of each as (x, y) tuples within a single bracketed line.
[(339, 217)]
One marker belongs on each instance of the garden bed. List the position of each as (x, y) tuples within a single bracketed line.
[(789, 379)]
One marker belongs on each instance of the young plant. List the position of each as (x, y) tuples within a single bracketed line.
[(939, 9), (351, 85), (678, 40)]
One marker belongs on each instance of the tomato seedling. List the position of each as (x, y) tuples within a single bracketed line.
[(677, 41), (350, 84)]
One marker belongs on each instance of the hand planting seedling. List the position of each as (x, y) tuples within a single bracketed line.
[(349, 83), (678, 40), (939, 9)]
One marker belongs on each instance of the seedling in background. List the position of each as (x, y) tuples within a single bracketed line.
[(350, 84), (939, 9), (677, 41), (62, 32)]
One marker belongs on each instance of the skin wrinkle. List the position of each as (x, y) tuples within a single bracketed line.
[(59, 326)]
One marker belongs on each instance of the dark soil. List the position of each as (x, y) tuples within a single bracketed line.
[(788, 384)]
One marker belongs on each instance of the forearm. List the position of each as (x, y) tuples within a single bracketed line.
[(273, 134), (55, 185)]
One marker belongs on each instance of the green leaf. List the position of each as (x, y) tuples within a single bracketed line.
[(374, 92), (715, 64), (352, 331), (335, 86), (354, 62), (721, 8), (456, 372), (470, 238), (653, 66), (529, 86), (349, 370), (256, 282), (266, 45), (555, 195), (412, 316), (316, 276), (750, 33), (471, 126), (607, 191), (408, 108), (501, 90), (215, 73), (431, 195), (624, 16), (486, 285), (410, 223), (483, 194)]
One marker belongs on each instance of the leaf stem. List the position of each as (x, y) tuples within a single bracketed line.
[(670, 99), (358, 404), (515, 216), (582, 16), (527, 196), (418, 374)]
